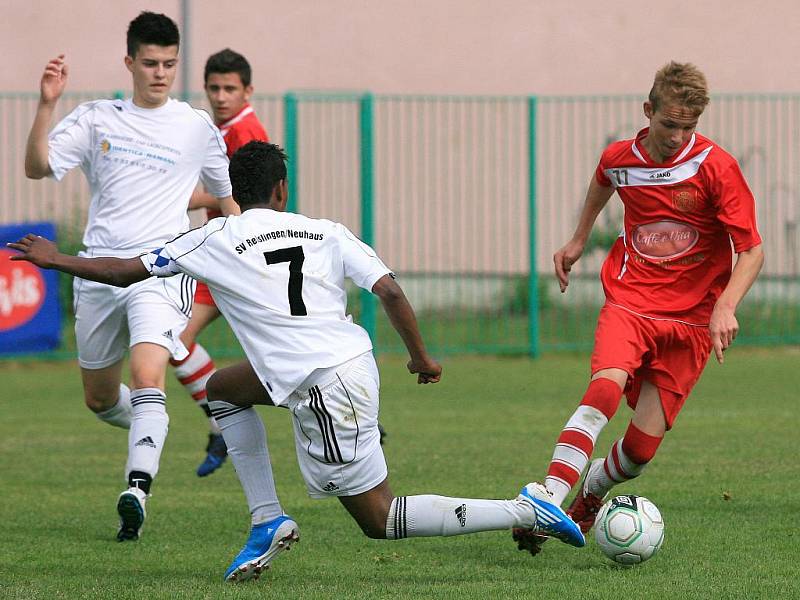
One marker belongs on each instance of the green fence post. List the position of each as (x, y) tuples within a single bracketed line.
[(366, 111), (290, 118), (533, 275)]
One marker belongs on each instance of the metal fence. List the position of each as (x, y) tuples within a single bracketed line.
[(449, 189)]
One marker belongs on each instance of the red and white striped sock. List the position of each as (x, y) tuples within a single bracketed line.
[(626, 460), (193, 372), (575, 444)]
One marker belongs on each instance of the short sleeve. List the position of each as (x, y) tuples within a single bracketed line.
[(361, 263), (736, 208), (600, 173), (70, 141), (214, 172)]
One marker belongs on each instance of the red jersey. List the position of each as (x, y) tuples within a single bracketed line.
[(673, 258), (237, 131)]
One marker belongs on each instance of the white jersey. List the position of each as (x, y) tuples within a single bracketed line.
[(142, 166), (279, 279)]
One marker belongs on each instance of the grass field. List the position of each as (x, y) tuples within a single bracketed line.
[(726, 480)]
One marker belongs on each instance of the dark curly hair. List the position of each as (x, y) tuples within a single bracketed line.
[(255, 169)]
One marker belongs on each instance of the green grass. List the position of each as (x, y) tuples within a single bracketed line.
[(485, 430)]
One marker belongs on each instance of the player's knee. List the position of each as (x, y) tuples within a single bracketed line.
[(152, 376), (219, 388), (371, 511), (215, 388), (373, 527), (604, 395), (99, 403), (141, 379)]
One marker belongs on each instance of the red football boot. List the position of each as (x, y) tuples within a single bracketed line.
[(528, 540)]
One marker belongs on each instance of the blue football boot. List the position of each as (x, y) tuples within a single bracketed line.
[(550, 519), (216, 451), (265, 542)]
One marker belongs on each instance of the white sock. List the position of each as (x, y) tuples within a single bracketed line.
[(429, 515), (148, 430), (617, 467), (246, 440), (121, 413)]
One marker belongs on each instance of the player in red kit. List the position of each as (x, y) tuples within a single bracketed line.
[(670, 283), (228, 88)]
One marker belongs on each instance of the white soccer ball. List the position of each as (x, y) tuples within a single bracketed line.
[(629, 529)]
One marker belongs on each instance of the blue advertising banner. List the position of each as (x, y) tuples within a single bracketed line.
[(30, 313)]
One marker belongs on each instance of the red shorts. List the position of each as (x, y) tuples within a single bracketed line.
[(669, 354), (202, 295)]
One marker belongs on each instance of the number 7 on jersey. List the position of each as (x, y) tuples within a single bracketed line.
[(295, 257)]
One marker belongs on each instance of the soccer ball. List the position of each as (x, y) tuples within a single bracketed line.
[(629, 529)]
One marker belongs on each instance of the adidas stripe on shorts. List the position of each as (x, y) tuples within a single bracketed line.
[(335, 418)]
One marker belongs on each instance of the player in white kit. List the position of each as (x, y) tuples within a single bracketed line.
[(142, 158), (279, 280)]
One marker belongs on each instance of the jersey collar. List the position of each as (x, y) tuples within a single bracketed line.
[(638, 149), (224, 127)]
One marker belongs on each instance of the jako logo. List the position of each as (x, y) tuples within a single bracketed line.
[(22, 291), (661, 175)]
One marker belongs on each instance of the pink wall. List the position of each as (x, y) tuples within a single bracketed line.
[(426, 46)]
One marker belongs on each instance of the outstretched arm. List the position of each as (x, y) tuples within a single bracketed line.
[(596, 199), (404, 321), (120, 272), (724, 326), (51, 87)]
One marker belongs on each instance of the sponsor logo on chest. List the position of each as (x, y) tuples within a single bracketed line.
[(664, 240)]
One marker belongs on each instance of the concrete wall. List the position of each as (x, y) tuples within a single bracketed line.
[(425, 46)]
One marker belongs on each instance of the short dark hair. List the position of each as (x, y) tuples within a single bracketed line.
[(228, 61), (255, 169), (152, 28)]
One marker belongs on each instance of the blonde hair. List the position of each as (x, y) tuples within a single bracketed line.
[(681, 83)]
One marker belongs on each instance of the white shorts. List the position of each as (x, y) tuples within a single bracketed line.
[(108, 319), (336, 429)]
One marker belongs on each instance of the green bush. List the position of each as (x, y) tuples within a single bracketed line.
[(516, 300)]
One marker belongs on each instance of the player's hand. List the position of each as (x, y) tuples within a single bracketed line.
[(427, 369), (563, 261), (54, 80), (722, 328), (35, 249)]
